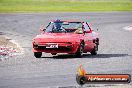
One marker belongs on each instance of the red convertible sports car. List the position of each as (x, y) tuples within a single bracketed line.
[(72, 37)]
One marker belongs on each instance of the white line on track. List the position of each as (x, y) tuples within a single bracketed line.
[(128, 28)]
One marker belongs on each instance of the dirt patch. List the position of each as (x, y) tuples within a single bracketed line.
[(8, 48)]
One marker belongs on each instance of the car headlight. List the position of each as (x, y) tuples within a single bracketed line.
[(35, 43)]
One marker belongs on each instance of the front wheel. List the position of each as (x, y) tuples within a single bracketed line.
[(37, 54), (79, 52)]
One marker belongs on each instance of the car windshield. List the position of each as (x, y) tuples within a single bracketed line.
[(64, 27)]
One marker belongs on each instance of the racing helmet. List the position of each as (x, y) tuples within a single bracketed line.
[(57, 24)]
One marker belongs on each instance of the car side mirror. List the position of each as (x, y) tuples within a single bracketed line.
[(41, 30)]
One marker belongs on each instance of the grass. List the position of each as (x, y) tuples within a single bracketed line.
[(64, 5)]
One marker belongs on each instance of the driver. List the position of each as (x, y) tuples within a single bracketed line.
[(58, 26)]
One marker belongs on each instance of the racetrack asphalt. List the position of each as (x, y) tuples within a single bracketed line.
[(26, 71)]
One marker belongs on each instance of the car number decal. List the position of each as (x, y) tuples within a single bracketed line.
[(51, 45)]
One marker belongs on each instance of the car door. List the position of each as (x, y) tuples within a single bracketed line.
[(87, 37)]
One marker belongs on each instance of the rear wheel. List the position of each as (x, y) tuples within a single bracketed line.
[(79, 52), (94, 51), (37, 54)]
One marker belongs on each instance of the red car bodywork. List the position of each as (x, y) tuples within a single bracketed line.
[(66, 42)]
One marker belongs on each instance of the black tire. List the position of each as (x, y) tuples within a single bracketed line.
[(80, 80), (37, 54), (53, 53), (94, 51), (79, 52)]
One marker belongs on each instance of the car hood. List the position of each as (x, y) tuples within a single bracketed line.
[(57, 37)]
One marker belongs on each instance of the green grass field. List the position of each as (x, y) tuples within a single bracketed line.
[(64, 5)]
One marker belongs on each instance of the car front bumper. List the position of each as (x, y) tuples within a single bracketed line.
[(62, 47)]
